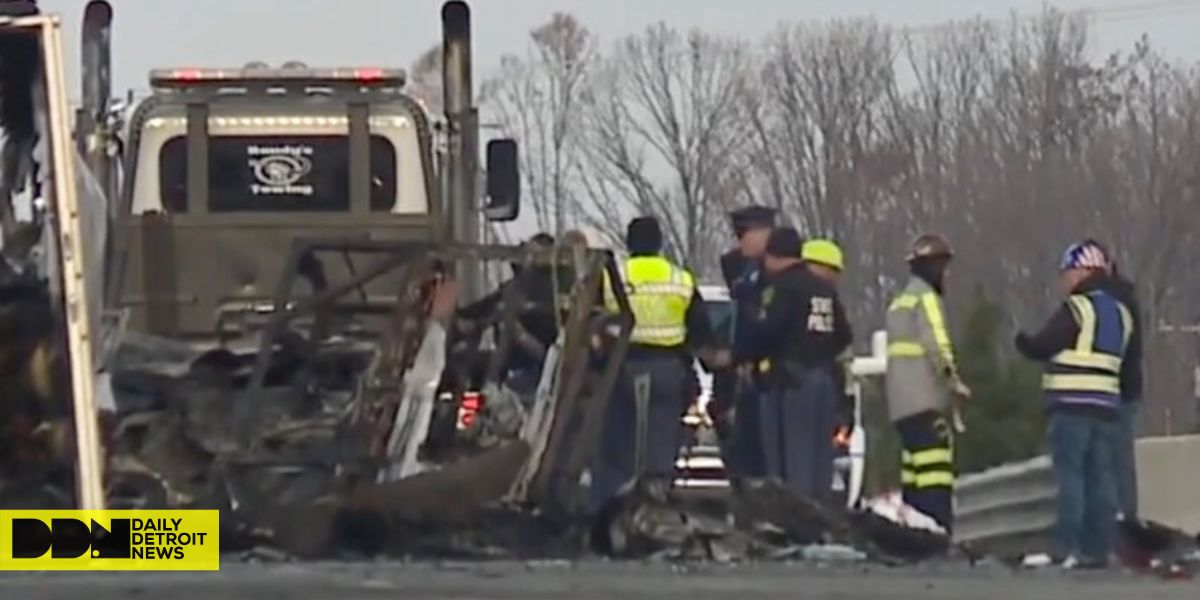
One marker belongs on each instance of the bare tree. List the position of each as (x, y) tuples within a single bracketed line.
[(425, 79), (993, 135), (667, 128), (820, 149), (537, 99)]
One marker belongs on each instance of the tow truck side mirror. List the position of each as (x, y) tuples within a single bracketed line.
[(503, 181)]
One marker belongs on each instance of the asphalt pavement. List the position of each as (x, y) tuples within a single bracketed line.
[(594, 579)]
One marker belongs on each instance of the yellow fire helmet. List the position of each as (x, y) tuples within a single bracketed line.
[(823, 252)]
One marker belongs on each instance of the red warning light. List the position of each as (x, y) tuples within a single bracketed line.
[(189, 74), (468, 409), (368, 74)]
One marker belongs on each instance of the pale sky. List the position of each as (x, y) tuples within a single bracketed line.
[(229, 33)]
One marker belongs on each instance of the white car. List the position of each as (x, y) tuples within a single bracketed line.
[(699, 464), (720, 314)]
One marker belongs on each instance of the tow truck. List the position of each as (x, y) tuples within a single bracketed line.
[(218, 170), (295, 228), (220, 173)]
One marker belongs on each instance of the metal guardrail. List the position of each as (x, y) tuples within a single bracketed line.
[(1014, 505), (1007, 504)]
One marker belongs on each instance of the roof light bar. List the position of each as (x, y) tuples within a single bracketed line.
[(363, 76), (267, 122)]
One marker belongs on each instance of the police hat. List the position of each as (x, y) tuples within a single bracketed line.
[(750, 217), (541, 239)]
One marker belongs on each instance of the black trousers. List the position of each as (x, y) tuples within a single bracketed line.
[(927, 466), (741, 450)]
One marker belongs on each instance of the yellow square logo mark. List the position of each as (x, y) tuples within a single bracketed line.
[(110, 540)]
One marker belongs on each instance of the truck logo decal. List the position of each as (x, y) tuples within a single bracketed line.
[(279, 170)]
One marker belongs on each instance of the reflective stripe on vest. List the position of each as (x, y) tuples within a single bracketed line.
[(905, 350), (1090, 371), (659, 296), (933, 313)]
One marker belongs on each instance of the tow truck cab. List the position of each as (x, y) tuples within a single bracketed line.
[(226, 167)]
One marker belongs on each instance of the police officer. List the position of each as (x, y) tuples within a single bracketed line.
[(1084, 346), (734, 407), (923, 381), (801, 330), (825, 260), (669, 318)]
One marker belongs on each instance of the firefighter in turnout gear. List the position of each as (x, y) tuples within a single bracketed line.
[(801, 331), (923, 381), (644, 418), (1084, 347)]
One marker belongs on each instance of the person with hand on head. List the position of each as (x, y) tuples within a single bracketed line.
[(1084, 345)]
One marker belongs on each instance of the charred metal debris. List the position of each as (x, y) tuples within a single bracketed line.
[(358, 425)]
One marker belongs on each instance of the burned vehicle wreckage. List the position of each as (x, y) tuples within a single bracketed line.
[(364, 427), (428, 438), (329, 434)]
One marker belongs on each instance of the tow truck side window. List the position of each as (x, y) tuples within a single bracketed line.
[(278, 174)]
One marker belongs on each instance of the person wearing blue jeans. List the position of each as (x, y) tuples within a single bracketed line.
[(1083, 449), (1083, 346)]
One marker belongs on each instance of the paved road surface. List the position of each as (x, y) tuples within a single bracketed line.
[(626, 581)]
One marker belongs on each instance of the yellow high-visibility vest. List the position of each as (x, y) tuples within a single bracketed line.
[(660, 294), (1089, 372)]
